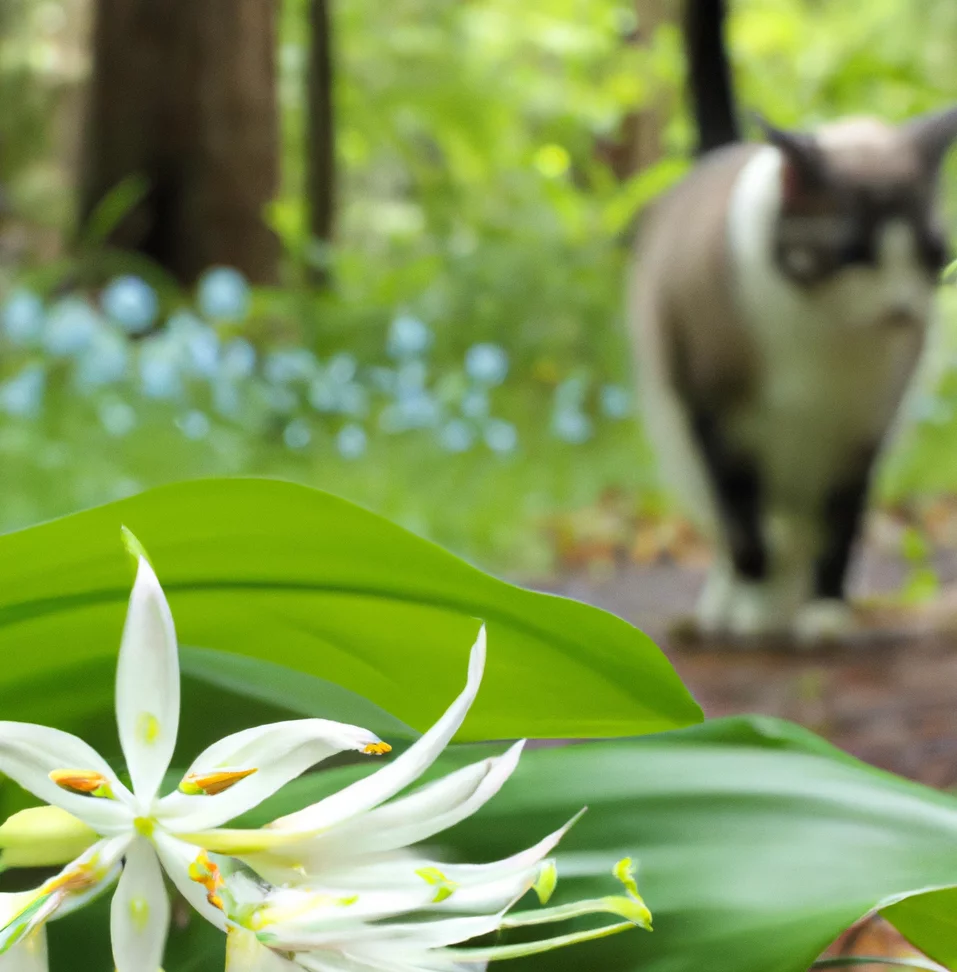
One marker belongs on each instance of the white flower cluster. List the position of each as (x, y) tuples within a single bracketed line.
[(335, 887)]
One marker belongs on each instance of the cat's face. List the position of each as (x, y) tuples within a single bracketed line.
[(859, 225)]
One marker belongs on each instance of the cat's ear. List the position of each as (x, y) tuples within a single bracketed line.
[(933, 135), (805, 169)]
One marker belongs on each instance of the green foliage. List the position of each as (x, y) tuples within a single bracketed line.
[(930, 922), (300, 578)]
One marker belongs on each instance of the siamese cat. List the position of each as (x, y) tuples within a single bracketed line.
[(782, 296)]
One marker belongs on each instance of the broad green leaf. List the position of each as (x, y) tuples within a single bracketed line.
[(930, 922), (303, 579), (757, 842), (297, 692)]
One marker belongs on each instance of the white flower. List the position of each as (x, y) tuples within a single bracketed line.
[(347, 894), (140, 832)]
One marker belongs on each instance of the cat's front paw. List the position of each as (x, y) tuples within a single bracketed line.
[(824, 620)]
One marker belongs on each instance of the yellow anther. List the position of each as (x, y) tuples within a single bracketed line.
[(209, 784), (377, 749), (88, 782), (203, 871), (544, 886)]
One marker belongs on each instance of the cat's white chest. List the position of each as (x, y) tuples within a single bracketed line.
[(831, 369)]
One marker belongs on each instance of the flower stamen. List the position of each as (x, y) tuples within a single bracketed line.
[(377, 749), (87, 782), (203, 871), (209, 784), (443, 886)]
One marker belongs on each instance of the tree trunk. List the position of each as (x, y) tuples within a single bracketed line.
[(183, 93), (639, 144), (320, 141)]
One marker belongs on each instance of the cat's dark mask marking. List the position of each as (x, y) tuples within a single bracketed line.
[(841, 188)]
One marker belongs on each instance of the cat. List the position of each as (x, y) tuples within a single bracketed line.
[(781, 299)]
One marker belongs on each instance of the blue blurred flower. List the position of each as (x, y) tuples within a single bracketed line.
[(615, 401), (456, 436), (71, 325), (22, 316), (285, 366), (351, 441), (412, 410), (223, 294), (501, 436), (22, 395), (197, 340), (419, 410), (411, 376), (342, 368), (238, 360), (486, 364), (408, 337), (104, 362), (194, 424), (323, 395), (117, 418), (353, 400), (160, 373), (571, 426), (297, 434), (130, 302), (475, 404)]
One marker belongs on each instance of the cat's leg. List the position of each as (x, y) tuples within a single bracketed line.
[(740, 595), (829, 614), (767, 606)]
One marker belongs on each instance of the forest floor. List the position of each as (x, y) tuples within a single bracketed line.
[(888, 697)]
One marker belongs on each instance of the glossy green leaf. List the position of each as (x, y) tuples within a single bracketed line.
[(930, 922), (298, 693), (303, 579), (757, 843)]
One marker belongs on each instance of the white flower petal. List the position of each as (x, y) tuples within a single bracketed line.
[(288, 912), (29, 955), (29, 753), (106, 860), (353, 936), (414, 818), (139, 915), (381, 959), (468, 875), (277, 753), (405, 769), (147, 686), (176, 858), (245, 953)]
